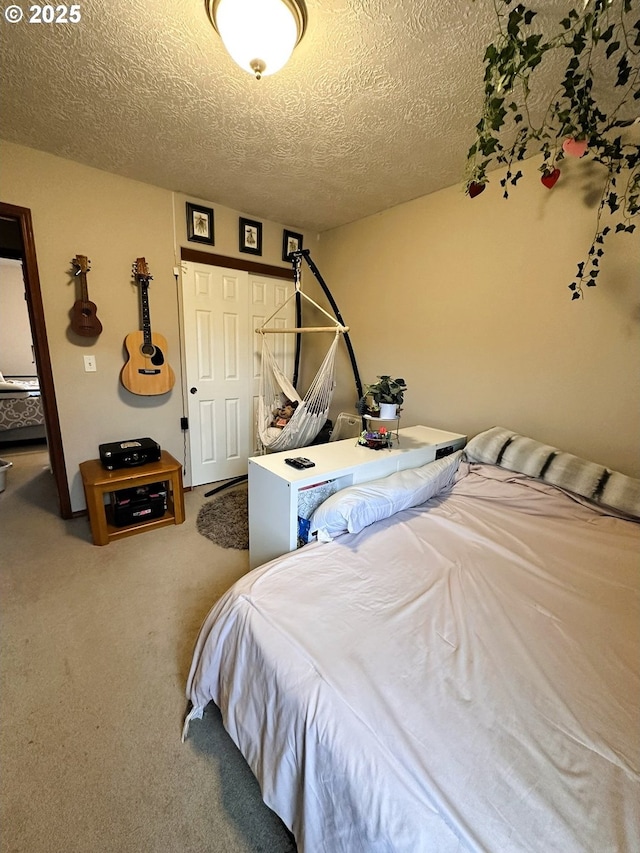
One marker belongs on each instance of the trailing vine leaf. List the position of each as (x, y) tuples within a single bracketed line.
[(601, 45)]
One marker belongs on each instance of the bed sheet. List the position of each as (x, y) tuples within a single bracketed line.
[(461, 676)]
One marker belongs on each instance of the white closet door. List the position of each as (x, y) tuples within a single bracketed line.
[(214, 303)]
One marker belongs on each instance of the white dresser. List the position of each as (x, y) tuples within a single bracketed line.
[(275, 488)]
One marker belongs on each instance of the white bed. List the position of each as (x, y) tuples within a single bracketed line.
[(462, 675)]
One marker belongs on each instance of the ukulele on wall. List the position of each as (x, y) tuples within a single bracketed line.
[(84, 319), (147, 371)]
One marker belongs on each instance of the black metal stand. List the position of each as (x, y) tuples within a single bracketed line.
[(227, 485), (296, 258)]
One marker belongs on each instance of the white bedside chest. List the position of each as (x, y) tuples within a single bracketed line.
[(274, 486)]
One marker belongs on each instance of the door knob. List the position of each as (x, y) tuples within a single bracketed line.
[(193, 390)]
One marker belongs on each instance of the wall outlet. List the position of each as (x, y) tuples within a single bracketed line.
[(89, 364)]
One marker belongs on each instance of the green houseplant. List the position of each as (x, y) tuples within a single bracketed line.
[(595, 49), (385, 390)]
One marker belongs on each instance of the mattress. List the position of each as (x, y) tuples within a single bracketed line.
[(463, 675), (20, 408)]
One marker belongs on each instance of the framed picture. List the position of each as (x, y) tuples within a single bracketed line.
[(291, 242), (199, 224), (250, 236)]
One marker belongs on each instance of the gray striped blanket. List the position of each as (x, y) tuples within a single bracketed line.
[(508, 449)]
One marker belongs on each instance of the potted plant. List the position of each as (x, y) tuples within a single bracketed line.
[(383, 398)]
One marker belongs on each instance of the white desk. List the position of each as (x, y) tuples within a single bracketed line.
[(274, 486)]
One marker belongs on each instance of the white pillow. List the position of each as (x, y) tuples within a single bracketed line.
[(356, 507)]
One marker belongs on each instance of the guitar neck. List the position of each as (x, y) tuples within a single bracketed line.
[(84, 290), (146, 314)]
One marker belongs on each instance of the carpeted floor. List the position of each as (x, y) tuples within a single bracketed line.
[(96, 644), (225, 518)]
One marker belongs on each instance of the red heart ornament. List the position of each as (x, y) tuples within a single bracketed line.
[(549, 178), (475, 189), (575, 147)]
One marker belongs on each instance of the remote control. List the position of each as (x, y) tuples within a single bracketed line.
[(306, 463), (300, 462)]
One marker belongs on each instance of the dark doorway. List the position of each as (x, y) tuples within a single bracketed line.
[(17, 241)]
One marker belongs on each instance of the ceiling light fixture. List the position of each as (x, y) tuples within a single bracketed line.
[(259, 35)]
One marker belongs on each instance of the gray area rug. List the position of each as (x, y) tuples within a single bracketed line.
[(225, 519)]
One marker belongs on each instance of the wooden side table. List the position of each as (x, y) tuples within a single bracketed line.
[(97, 481)]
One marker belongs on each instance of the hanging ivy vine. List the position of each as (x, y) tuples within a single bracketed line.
[(601, 41)]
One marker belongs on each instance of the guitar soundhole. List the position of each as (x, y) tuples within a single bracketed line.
[(154, 353)]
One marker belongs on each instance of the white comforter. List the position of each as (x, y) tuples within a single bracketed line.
[(461, 676)]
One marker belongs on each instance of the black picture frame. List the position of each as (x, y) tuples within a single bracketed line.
[(200, 224), (250, 236), (291, 242)]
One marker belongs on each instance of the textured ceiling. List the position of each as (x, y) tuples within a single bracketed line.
[(377, 105)]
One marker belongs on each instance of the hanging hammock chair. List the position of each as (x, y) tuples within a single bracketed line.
[(276, 390)]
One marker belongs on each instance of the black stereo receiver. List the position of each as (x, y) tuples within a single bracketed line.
[(127, 454), (138, 504)]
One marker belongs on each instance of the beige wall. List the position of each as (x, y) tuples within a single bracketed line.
[(112, 220), (468, 301)]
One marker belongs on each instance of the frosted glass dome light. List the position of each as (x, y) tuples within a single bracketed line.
[(259, 35)]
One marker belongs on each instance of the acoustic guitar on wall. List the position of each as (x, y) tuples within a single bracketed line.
[(84, 317), (147, 371)]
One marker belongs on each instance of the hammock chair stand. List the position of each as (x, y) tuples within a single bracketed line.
[(306, 254), (338, 327)]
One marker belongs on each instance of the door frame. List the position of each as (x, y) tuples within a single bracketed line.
[(35, 308), (199, 257)]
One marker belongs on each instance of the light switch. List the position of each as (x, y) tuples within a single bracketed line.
[(89, 363)]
